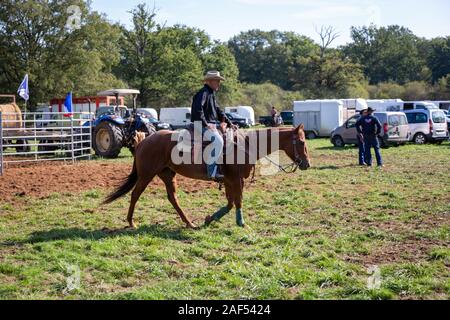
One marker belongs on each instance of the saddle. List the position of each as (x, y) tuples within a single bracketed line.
[(192, 142)]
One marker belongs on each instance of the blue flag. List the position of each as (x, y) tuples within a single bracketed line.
[(23, 89), (68, 102)]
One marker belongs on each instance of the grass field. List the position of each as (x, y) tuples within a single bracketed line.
[(311, 235)]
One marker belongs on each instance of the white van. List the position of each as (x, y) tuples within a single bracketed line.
[(244, 111), (178, 118), (427, 125)]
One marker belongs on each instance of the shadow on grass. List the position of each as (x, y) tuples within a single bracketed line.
[(332, 148), (156, 231)]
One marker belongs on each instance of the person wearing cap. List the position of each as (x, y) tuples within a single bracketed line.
[(362, 149), (206, 110), (369, 128)]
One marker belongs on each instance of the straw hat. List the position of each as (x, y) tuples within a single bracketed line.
[(213, 75)]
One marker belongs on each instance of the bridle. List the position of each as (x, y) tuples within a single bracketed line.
[(294, 166)]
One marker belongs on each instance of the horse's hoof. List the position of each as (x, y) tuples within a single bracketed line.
[(192, 226), (131, 227), (208, 220)]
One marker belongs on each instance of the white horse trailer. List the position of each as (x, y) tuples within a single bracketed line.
[(387, 105), (245, 111), (178, 118), (320, 117)]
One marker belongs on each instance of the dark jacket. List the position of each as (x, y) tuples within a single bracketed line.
[(368, 126), (206, 109)]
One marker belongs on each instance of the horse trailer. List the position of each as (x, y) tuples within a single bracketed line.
[(320, 117)]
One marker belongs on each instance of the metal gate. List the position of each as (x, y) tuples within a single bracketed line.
[(45, 136)]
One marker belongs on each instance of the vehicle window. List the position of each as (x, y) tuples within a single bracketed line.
[(438, 117), (420, 107), (411, 117), (352, 122), (408, 106), (402, 120), (188, 116), (421, 118), (394, 120)]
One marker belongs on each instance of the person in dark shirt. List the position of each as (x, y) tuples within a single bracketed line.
[(206, 111), (369, 127), (362, 149)]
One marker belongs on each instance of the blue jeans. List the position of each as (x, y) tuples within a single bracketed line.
[(372, 142), (362, 151), (217, 143)]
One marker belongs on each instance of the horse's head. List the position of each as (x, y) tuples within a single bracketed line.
[(298, 151)]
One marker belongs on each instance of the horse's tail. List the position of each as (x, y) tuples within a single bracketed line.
[(127, 185)]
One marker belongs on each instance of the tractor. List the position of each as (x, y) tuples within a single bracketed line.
[(117, 128)]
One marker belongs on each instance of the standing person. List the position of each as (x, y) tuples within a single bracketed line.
[(362, 149), (274, 114), (369, 127), (206, 111)]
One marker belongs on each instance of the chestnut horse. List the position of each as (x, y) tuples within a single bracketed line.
[(153, 158)]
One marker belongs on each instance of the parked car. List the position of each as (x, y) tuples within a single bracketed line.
[(236, 119), (268, 121), (244, 111), (148, 112), (447, 117), (288, 117), (395, 130), (151, 115), (427, 125)]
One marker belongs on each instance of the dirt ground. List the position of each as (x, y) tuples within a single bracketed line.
[(41, 180)]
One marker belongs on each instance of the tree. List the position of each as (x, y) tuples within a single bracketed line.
[(268, 56), (220, 58), (34, 39), (439, 58), (387, 54)]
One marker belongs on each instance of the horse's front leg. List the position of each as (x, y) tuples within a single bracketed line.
[(225, 210)]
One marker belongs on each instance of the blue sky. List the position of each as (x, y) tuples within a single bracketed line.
[(222, 19)]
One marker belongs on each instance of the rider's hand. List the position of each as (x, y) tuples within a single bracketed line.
[(212, 126)]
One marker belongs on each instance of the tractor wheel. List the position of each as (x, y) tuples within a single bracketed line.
[(148, 129), (107, 140)]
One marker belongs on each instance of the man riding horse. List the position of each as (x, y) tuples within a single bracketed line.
[(206, 111)]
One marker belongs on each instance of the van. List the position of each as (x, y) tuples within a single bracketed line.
[(178, 118), (427, 125), (395, 130)]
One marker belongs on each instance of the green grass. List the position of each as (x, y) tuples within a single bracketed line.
[(311, 235)]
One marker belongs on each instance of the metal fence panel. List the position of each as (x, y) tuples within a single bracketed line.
[(46, 136)]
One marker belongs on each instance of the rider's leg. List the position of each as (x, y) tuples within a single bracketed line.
[(213, 152)]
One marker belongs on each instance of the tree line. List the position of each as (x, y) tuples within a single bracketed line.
[(166, 63)]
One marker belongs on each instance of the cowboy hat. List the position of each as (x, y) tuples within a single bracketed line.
[(371, 110), (213, 75)]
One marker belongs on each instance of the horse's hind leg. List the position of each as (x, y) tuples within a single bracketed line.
[(225, 210), (168, 177), (140, 187)]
